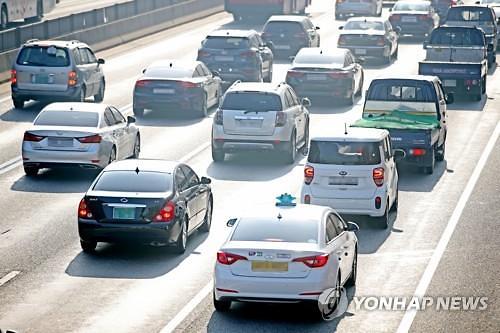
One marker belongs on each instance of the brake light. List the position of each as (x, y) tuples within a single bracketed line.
[(13, 77), (395, 17), (378, 176), (313, 261), (378, 202), (471, 82), (339, 75), (219, 117), (83, 210), (203, 53), (380, 41), (308, 174), (72, 78), (280, 119), (166, 214), (294, 74), (453, 2), (307, 199), (417, 152), (225, 258), (142, 83), (32, 137), (248, 54), (342, 40), (188, 85), (90, 139), (424, 17)]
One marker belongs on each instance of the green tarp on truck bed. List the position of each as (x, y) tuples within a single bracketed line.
[(398, 120)]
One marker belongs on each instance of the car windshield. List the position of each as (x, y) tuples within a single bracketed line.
[(226, 43), (132, 181), (344, 153), (166, 72), (68, 118), (463, 37), (268, 230), (469, 14), (364, 25), (283, 27), (412, 6), (50, 56), (252, 101), (401, 90)]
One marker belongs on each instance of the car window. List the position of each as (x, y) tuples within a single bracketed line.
[(386, 150), (205, 70), (389, 146), (347, 60), (259, 40), (132, 181), (330, 230), (388, 26), (401, 90), (295, 99), (470, 14), (308, 24), (76, 57), (254, 41), (288, 99), (180, 180), (457, 36), (338, 223), (412, 6), (44, 56), (191, 177), (344, 153), (168, 72), (439, 91), (252, 101), (226, 43), (198, 72), (92, 58), (108, 118), (68, 118), (84, 56), (117, 116), (271, 230)]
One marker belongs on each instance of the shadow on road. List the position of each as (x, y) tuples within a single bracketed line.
[(25, 115), (67, 180), (169, 118), (412, 180)]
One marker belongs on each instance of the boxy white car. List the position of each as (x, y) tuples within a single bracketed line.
[(354, 173)]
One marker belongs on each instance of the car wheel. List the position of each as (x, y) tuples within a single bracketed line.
[(269, 77), (360, 89), (180, 244), (137, 147), (202, 107), (138, 112), (327, 309), (429, 170), (291, 152), (18, 103), (112, 155), (88, 246), (207, 221), (83, 95), (394, 207), (351, 282), (221, 305), (31, 171), (305, 146), (218, 155), (383, 221), (4, 18), (396, 53), (440, 154), (99, 97)]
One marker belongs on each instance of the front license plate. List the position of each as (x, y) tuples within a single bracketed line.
[(269, 266), (450, 83), (163, 91), (224, 58), (282, 47), (360, 51), (123, 213)]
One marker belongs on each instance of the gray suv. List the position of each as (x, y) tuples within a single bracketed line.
[(56, 71)]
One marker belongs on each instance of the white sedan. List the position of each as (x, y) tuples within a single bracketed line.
[(288, 254)]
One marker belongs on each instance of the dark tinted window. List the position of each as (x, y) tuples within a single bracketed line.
[(226, 43), (131, 181), (284, 27), (401, 90), (191, 177), (117, 116), (469, 14), (276, 231), (69, 118), (180, 180), (330, 231), (344, 153), (43, 56), (252, 101), (465, 37)]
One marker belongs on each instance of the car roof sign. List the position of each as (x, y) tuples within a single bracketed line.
[(285, 200)]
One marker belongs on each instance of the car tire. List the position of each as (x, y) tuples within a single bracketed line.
[(137, 147), (4, 18), (351, 282), (83, 94), (269, 77), (218, 155), (221, 305), (396, 53), (360, 89), (138, 112), (291, 152), (88, 246), (202, 107), (394, 207), (207, 220), (319, 313), (99, 97), (305, 146), (31, 171), (18, 103), (440, 154), (112, 155), (181, 243), (429, 169), (383, 221)]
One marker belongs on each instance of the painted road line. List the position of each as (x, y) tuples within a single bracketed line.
[(186, 310), (11, 164), (8, 277), (422, 286)]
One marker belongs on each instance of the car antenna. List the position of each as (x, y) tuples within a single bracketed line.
[(171, 65), (137, 170), (345, 129), (320, 51), (279, 216)]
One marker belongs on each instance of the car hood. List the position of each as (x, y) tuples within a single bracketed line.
[(370, 32)]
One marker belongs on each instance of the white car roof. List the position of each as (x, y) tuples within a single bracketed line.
[(300, 212), (357, 134), (76, 106)]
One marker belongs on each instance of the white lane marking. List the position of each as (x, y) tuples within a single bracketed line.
[(195, 152), (11, 164), (8, 277), (186, 310), (409, 316)]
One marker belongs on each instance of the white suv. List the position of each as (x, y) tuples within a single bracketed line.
[(354, 173), (260, 116)]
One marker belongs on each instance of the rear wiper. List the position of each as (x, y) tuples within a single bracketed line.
[(256, 111)]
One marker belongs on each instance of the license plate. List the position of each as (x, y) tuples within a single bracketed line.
[(163, 91), (250, 123), (282, 47), (42, 79), (316, 77), (269, 266), (343, 181), (60, 142), (224, 58), (360, 51), (409, 19), (124, 213), (450, 83)]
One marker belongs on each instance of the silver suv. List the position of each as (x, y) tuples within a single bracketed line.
[(260, 117), (56, 71)]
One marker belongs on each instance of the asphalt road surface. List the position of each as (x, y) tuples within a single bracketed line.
[(48, 285)]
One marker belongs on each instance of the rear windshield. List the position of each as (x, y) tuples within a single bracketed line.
[(469, 14), (412, 6), (226, 43), (344, 153), (364, 25), (171, 73), (458, 37), (68, 118), (131, 181), (401, 90), (320, 59), (284, 27), (50, 56), (252, 101), (272, 231)]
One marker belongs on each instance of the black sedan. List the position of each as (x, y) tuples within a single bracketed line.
[(147, 201), (173, 84)]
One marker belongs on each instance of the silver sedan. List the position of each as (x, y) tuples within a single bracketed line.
[(79, 134)]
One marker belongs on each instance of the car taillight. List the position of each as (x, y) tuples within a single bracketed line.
[(13, 77), (142, 83), (417, 152), (247, 54), (90, 139), (226, 258), (72, 78), (342, 40), (295, 74), (188, 85), (280, 119), (380, 41), (219, 117), (300, 35), (339, 75), (471, 82), (166, 214), (378, 176), (32, 137), (424, 17), (308, 174), (307, 199), (83, 210), (203, 53), (394, 17), (453, 2), (313, 261)]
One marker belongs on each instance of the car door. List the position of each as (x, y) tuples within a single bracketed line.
[(201, 191), (95, 71), (351, 65), (85, 72), (390, 166), (392, 35), (208, 84), (442, 111), (293, 113), (348, 245), (336, 244), (187, 194), (117, 134), (129, 132), (300, 113), (312, 31)]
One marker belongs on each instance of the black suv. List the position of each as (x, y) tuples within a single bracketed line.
[(237, 55)]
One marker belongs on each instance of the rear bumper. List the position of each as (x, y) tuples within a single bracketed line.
[(233, 146), (149, 101), (46, 95), (368, 51), (417, 29), (335, 92), (96, 158)]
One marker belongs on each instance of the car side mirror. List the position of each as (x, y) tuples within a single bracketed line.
[(360, 61), (490, 48), (101, 61), (450, 98), (351, 226), (397, 30), (317, 28), (306, 102), (144, 71), (398, 154), (215, 73), (131, 120), (341, 27), (205, 180), (269, 44), (231, 222)]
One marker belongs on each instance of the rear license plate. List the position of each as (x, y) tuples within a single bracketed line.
[(343, 181), (60, 142), (269, 266), (124, 213), (250, 123), (282, 47), (163, 91), (360, 51), (316, 77), (409, 19), (42, 79), (450, 83), (224, 58)]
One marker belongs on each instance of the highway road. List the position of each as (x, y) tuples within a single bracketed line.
[(68, 7), (48, 285)]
